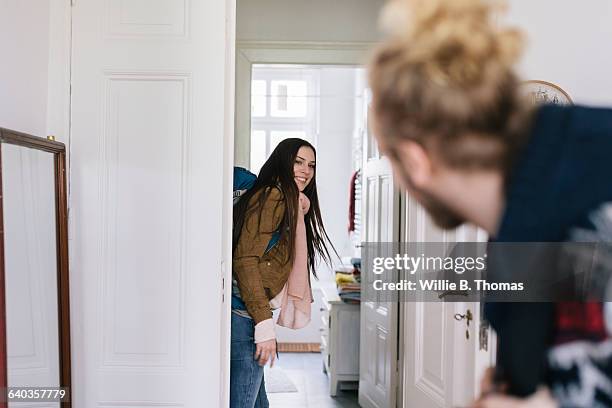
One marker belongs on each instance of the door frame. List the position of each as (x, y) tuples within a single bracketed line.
[(397, 389), (227, 201), (249, 53)]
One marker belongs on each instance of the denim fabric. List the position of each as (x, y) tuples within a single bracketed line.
[(247, 387), (237, 302)]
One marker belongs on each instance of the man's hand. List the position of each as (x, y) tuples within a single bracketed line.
[(486, 382), (488, 385), (266, 350), (541, 399)]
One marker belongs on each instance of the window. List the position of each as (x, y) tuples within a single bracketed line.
[(289, 99), (284, 104), (258, 97)]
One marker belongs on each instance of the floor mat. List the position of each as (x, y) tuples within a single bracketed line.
[(277, 381)]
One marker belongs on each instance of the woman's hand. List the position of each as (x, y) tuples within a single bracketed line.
[(266, 350)]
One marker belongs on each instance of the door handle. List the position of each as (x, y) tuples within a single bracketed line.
[(468, 318)]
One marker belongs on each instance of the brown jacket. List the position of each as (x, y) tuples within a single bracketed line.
[(261, 276)]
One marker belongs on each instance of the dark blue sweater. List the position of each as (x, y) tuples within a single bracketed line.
[(562, 175)]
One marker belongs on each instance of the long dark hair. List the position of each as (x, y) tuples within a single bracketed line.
[(278, 172)]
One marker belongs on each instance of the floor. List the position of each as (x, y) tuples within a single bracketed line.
[(306, 372)]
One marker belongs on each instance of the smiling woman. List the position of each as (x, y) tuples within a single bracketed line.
[(283, 200), (304, 166)]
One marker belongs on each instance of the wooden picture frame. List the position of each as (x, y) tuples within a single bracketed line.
[(58, 150)]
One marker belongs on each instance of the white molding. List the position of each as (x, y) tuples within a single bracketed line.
[(305, 45), (289, 52), (110, 148), (117, 29), (227, 202)]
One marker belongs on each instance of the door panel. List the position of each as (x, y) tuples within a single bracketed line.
[(379, 324), (148, 85), (439, 364)]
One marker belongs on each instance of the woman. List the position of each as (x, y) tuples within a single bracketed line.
[(278, 235), (448, 111)]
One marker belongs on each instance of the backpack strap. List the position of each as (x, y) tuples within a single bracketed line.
[(273, 241)]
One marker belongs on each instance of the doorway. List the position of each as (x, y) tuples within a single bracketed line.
[(322, 104), (274, 39), (327, 105)]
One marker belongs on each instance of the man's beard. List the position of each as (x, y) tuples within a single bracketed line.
[(441, 214)]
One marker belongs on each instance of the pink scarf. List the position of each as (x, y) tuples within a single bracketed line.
[(297, 296)]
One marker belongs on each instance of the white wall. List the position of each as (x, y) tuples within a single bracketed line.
[(334, 169), (570, 44), (334, 153), (312, 20), (24, 50)]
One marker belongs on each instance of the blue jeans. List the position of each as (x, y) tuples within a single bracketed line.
[(247, 388)]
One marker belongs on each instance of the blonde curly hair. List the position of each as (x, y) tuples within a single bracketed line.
[(445, 79)]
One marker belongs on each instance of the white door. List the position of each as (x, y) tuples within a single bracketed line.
[(441, 365), (379, 324), (147, 189)]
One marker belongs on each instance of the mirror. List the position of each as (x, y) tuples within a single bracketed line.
[(35, 265), (30, 267)]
